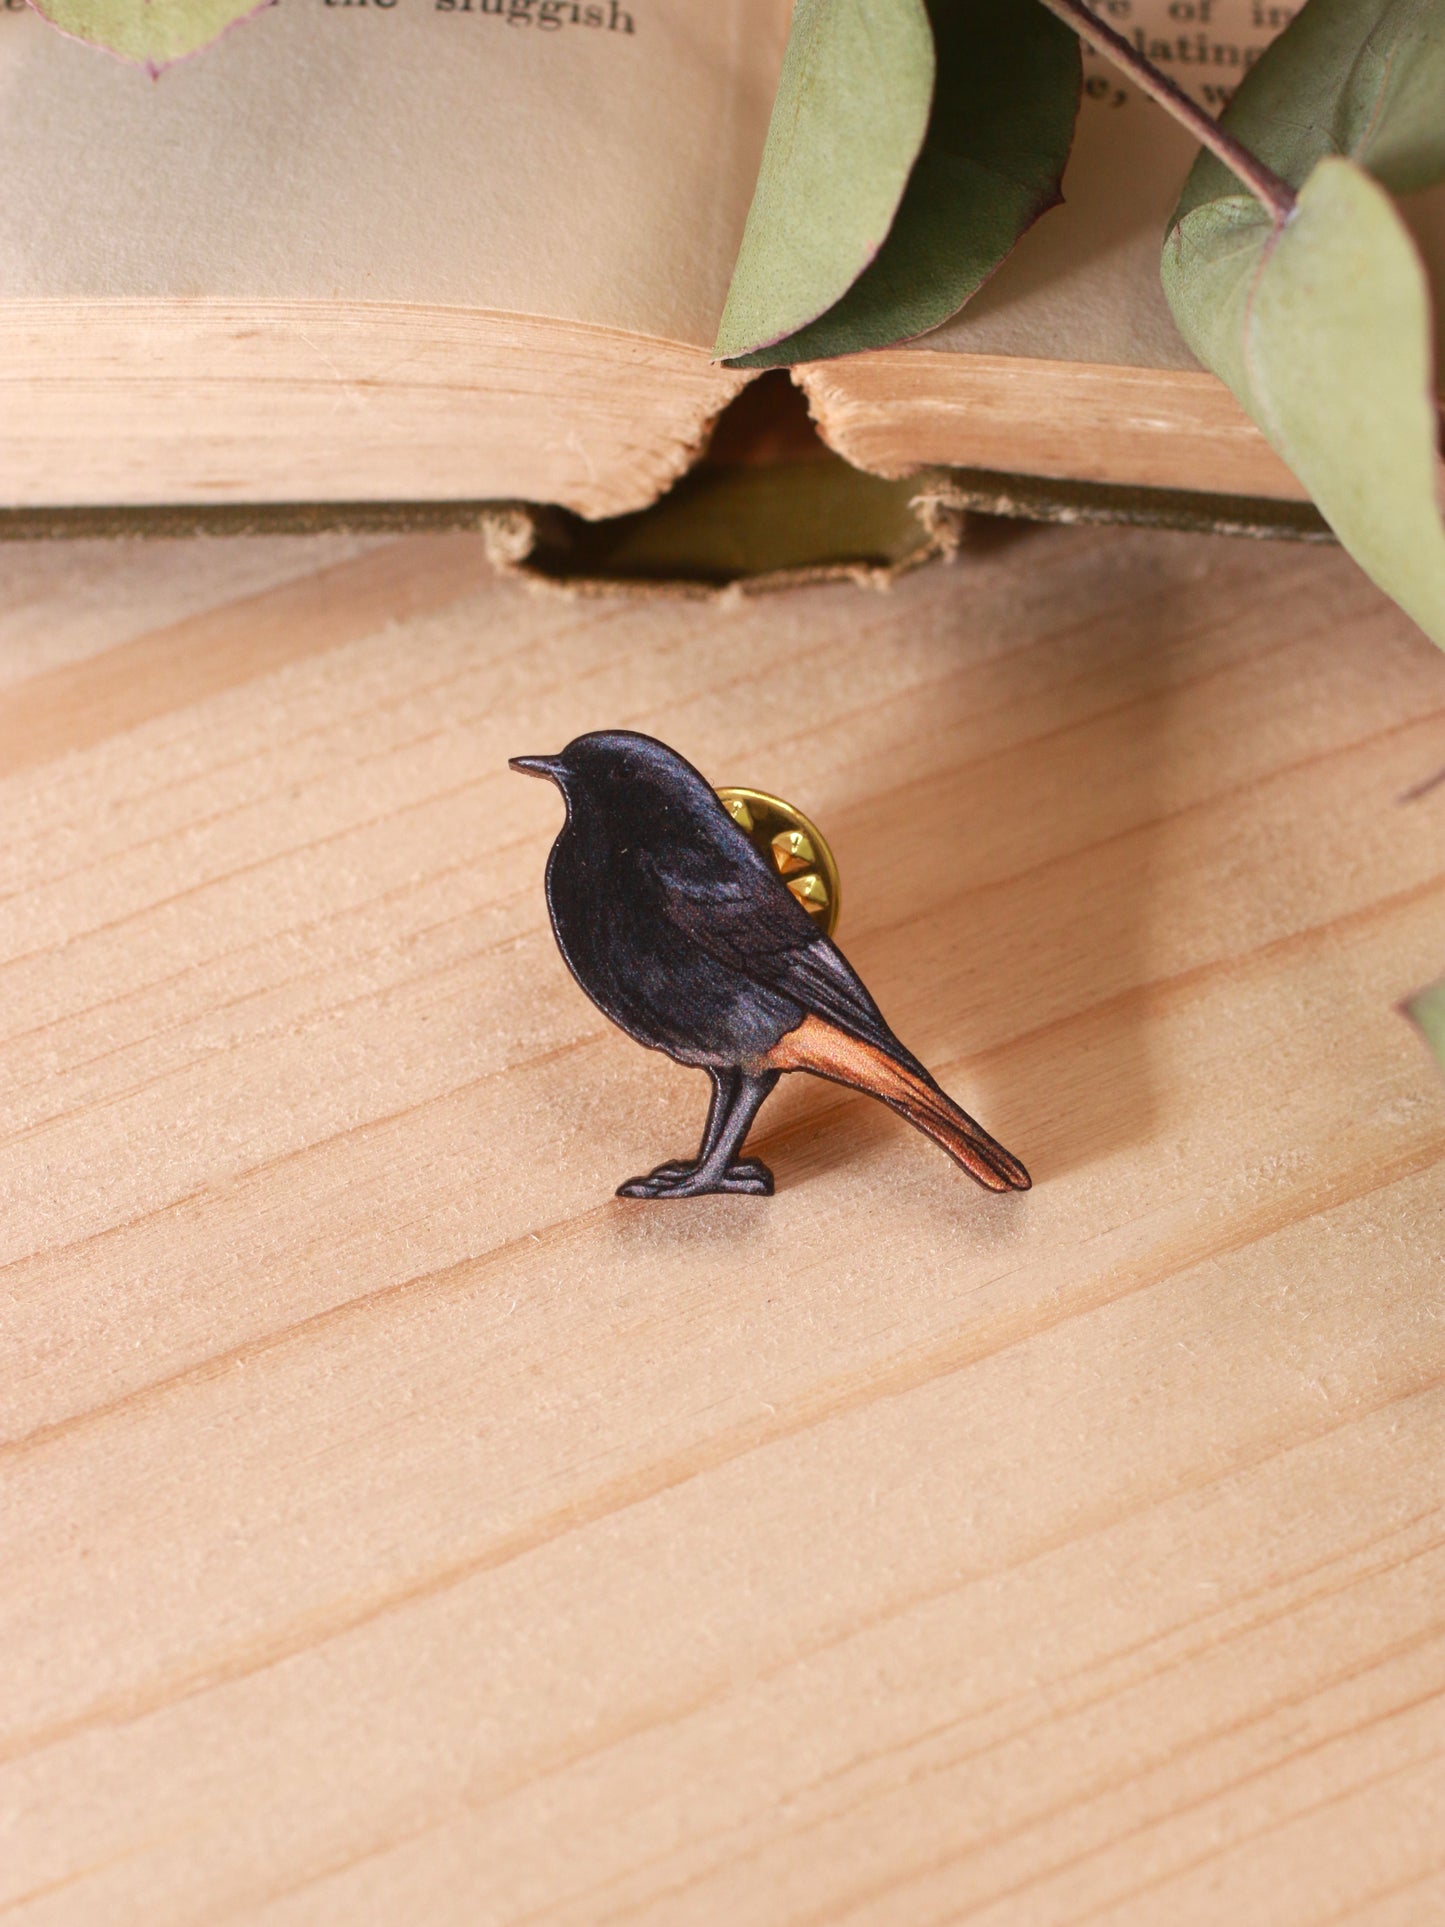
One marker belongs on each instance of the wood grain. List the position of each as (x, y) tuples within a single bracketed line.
[(397, 1527)]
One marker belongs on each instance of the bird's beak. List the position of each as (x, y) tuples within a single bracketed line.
[(548, 766)]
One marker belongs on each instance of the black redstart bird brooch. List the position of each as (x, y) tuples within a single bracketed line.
[(682, 933)]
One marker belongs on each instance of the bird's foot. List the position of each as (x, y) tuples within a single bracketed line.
[(681, 1179)]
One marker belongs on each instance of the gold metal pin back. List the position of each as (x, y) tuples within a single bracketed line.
[(794, 845)]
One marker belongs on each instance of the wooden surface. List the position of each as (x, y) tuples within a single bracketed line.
[(397, 1528)]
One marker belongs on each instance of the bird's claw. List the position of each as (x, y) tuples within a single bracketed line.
[(679, 1179)]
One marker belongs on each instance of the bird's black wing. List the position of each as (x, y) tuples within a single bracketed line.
[(733, 907)]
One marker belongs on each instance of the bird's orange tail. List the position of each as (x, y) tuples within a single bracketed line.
[(821, 1047)]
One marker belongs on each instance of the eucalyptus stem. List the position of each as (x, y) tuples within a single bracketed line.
[(1277, 195)]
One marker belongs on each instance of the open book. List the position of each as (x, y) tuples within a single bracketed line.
[(427, 250)]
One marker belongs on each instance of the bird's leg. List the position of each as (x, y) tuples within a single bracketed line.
[(724, 1091), (735, 1101)]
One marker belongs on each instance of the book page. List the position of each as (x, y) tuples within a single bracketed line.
[(1083, 284), (585, 162)]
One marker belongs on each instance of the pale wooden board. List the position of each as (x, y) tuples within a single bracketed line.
[(397, 1528)]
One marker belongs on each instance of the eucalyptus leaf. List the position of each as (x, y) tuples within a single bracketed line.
[(1005, 97), (153, 32), (1322, 326), (849, 118), (1361, 78), (1428, 1010)]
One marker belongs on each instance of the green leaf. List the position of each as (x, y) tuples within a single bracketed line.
[(153, 32), (1323, 331), (848, 121), (1322, 327), (1361, 78), (1427, 1008), (954, 192)]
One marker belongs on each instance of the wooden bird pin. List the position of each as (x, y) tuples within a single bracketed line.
[(679, 931)]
